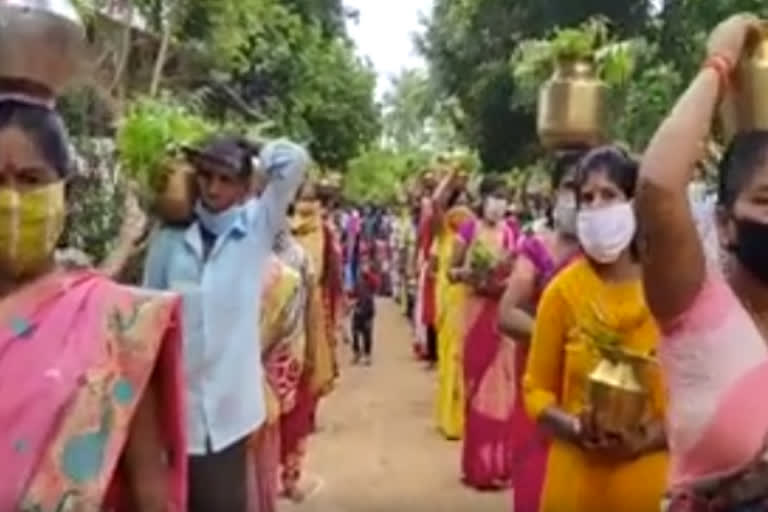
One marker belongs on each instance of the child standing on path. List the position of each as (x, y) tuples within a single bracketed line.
[(363, 314)]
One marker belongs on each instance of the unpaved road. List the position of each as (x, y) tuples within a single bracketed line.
[(378, 450)]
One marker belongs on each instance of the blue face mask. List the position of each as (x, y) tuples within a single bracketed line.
[(217, 223)]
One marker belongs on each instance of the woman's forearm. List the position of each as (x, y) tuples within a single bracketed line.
[(561, 424), (516, 324)]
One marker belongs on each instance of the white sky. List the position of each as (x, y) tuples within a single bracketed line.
[(384, 33)]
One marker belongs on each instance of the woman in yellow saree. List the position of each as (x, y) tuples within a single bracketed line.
[(450, 327), (283, 338)]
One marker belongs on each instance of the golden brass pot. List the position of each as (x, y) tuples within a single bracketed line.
[(175, 199), (572, 106), (745, 105), (617, 393)]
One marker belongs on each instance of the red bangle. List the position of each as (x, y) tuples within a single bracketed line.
[(722, 66)]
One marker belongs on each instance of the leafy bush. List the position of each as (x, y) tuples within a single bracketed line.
[(152, 130)]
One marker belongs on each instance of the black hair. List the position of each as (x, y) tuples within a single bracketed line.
[(620, 168), (745, 154), (565, 160), (45, 128), (491, 183), (233, 151), (454, 197)]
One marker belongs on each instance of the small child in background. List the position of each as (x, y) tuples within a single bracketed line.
[(363, 314)]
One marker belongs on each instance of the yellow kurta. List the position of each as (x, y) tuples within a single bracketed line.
[(450, 303), (560, 360)]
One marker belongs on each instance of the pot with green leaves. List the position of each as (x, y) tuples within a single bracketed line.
[(745, 104), (617, 389), (151, 140), (572, 106), (481, 260)]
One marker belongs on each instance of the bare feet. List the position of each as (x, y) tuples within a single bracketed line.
[(306, 487)]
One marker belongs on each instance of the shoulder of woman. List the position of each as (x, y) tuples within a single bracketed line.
[(572, 282), (136, 306)]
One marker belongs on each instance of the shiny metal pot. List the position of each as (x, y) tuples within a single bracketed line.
[(572, 106), (41, 41), (617, 392), (745, 105)]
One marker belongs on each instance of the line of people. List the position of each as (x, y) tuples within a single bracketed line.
[(629, 270), (199, 396)]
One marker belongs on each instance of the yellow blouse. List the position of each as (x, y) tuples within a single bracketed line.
[(576, 305)]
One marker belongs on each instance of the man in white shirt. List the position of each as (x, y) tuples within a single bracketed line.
[(216, 265)]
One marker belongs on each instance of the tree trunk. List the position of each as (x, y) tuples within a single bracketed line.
[(126, 44), (162, 53)]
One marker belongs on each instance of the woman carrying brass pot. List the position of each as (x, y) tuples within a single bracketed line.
[(593, 313), (714, 323)]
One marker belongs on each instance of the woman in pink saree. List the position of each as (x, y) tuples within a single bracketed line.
[(714, 354), (539, 259), (482, 260), (84, 362)]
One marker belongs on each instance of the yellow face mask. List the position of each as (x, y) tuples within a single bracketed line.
[(31, 223), (307, 208)]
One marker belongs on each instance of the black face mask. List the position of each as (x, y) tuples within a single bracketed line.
[(752, 247)]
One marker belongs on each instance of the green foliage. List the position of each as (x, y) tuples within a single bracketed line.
[(153, 129), (380, 175), (468, 45), (535, 59), (649, 97), (579, 42), (93, 220), (311, 85), (417, 118)]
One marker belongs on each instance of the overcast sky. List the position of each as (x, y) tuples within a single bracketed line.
[(384, 33)]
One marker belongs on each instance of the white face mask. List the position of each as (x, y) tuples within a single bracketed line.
[(604, 233), (564, 213), (495, 209)]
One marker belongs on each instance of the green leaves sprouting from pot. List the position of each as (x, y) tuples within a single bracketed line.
[(153, 130), (535, 59)]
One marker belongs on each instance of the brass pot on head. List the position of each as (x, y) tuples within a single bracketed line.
[(745, 104), (572, 106), (41, 41)]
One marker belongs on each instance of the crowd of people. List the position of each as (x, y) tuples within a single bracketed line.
[(198, 390), (636, 266)]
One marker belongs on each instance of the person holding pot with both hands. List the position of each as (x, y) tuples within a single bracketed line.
[(595, 305), (217, 264), (715, 324), (482, 259), (539, 259)]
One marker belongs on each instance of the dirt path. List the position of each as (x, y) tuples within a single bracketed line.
[(377, 450)]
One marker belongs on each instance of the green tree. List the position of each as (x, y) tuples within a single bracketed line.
[(468, 45), (380, 175)]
